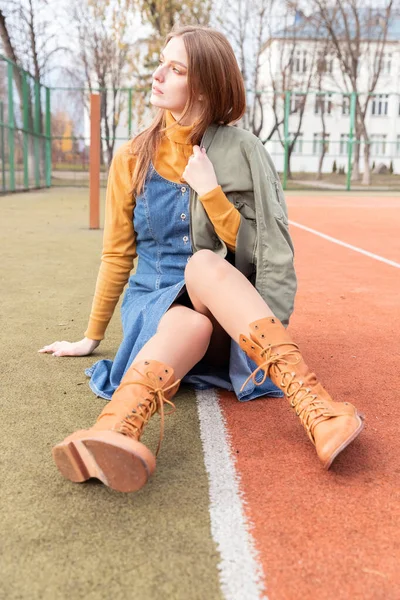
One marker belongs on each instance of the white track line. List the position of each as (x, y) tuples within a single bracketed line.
[(340, 243), (240, 573)]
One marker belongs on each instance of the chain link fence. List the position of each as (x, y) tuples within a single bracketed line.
[(25, 143), (313, 137)]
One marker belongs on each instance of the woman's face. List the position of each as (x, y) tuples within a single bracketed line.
[(170, 87)]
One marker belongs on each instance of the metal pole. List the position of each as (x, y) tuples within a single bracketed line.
[(25, 107), (2, 154), (37, 133), (94, 167), (48, 139), (353, 101), (11, 131), (286, 139)]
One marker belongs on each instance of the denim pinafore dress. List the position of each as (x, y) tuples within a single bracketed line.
[(162, 224)]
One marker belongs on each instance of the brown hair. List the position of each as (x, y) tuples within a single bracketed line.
[(214, 73)]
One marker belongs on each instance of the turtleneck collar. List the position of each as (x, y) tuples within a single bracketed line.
[(179, 133)]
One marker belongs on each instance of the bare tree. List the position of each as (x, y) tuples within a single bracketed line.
[(358, 33), (247, 25), (291, 67), (29, 38), (323, 101), (103, 32)]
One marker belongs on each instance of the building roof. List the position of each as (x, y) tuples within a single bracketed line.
[(312, 27)]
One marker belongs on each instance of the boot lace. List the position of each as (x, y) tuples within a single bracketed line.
[(145, 410), (308, 406)]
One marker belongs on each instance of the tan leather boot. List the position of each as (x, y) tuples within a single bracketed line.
[(330, 425), (111, 450)]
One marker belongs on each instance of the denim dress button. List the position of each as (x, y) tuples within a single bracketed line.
[(185, 238), (183, 216), (183, 190)]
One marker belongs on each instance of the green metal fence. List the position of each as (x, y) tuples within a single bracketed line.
[(25, 130), (45, 133)]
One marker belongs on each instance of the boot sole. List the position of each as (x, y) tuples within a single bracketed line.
[(356, 432), (120, 462)]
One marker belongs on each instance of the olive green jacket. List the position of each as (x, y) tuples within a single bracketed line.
[(264, 249)]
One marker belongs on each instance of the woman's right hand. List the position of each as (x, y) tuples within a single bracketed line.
[(81, 348)]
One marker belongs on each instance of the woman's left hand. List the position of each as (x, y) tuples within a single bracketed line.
[(199, 172)]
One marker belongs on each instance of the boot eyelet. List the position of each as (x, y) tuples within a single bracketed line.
[(262, 335), (146, 362), (252, 347), (243, 340), (272, 320), (160, 378), (255, 326), (166, 370)]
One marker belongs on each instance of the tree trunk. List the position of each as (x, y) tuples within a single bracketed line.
[(323, 147), (320, 163), (367, 173), (355, 174), (289, 168)]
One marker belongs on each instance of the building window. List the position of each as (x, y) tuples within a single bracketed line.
[(323, 104), (298, 145), (345, 105), (386, 65), (300, 61), (344, 143), (319, 141), (378, 144), (324, 63), (380, 104), (298, 101)]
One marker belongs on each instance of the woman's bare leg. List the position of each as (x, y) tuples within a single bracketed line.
[(182, 338), (216, 288)]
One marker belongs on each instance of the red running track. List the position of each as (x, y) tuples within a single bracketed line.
[(332, 535)]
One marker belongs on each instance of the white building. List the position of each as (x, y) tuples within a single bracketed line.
[(383, 113)]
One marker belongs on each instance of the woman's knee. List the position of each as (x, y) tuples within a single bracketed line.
[(205, 264), (182, 319)]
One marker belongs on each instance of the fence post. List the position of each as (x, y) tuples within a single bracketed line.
[(286, 139), (353, 100), (2, 148), (37, 129), (94, 167), (26, 128), (11, 131), (48, 140)]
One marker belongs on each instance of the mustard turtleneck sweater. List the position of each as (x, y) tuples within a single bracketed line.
[(119, 240)]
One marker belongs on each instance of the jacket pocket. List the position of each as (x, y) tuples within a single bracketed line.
[(245, 210), (280, 205)]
